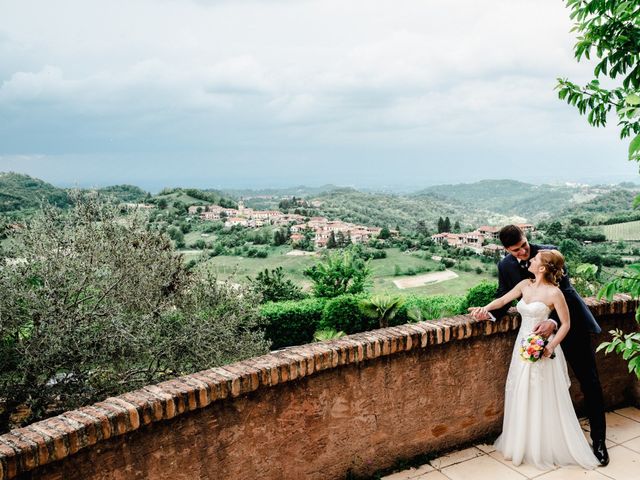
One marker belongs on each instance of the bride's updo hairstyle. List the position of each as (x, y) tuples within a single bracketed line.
[(553, 263)]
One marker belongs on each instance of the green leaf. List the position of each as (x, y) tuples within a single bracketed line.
[(633, 99), (634, 147)]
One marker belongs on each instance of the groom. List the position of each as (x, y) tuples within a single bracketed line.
[(576, 345)]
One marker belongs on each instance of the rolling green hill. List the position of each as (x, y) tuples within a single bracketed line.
[(21, 192), (615, 206), (510, 197), (125, 193), (540, 202), (377, 209)]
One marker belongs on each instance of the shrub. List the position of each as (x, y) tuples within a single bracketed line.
[(448, 262), (481, 294), (292, 322), (382, 308), (344, 313), (339, 274), (326, 335), (417, 308)]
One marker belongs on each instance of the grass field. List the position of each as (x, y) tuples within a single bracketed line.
[(238, 268), (622, 231)]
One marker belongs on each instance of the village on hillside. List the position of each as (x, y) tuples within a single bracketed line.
[(478, 240), (322, 228)]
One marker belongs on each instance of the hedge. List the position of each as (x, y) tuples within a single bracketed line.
[(343, 313), (292, 322)]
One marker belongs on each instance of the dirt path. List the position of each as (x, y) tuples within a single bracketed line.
[(426, 279)]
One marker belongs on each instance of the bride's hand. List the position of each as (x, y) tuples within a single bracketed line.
[(548, 351)]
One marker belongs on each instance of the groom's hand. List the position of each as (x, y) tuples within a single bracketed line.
[(544, 328)]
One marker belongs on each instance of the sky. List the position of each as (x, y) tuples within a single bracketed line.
[(242, 93)]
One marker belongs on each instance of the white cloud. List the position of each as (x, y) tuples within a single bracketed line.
[(207, 74)]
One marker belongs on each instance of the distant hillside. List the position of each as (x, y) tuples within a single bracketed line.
[(610, 207), (298, 191), (510, 197), (377, 209), (194, 196), (125, 193), (19, 192)]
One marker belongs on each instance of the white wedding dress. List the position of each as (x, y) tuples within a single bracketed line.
[(540, 426)]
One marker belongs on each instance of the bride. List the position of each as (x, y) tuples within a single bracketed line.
[(540, 426)]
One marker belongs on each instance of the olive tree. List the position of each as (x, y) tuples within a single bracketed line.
[(94, 303)]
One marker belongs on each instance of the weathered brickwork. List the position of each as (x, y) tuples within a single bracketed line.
[(314, 411)]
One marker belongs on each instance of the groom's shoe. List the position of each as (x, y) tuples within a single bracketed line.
[(600, 451)]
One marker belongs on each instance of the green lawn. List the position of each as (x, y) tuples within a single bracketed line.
[(239, 268)]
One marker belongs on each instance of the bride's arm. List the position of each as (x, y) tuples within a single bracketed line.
[(515, 292), (560, 305)]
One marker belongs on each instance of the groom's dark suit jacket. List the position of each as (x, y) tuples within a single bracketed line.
[(510, 273)]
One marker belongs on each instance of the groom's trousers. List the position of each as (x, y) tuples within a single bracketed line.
[(578, 350)]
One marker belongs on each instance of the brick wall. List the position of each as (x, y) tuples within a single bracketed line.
[(314, 412)]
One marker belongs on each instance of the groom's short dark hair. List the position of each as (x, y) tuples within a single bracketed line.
[(510, 235)]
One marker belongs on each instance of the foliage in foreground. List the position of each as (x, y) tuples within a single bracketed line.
[(611, 30), (94, 304), (625, 344)]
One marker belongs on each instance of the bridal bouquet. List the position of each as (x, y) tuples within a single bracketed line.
[(532, 347)]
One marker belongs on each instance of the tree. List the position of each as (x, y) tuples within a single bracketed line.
[(95, 304), (180, 207), (447, 225), (611, 30), (554, 229), (421, 228), (279, 237), (331, 242), (384, 233), (456, 227), (341, 240), (338, 274), (441, 226), (272, 286), (570, 248)]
